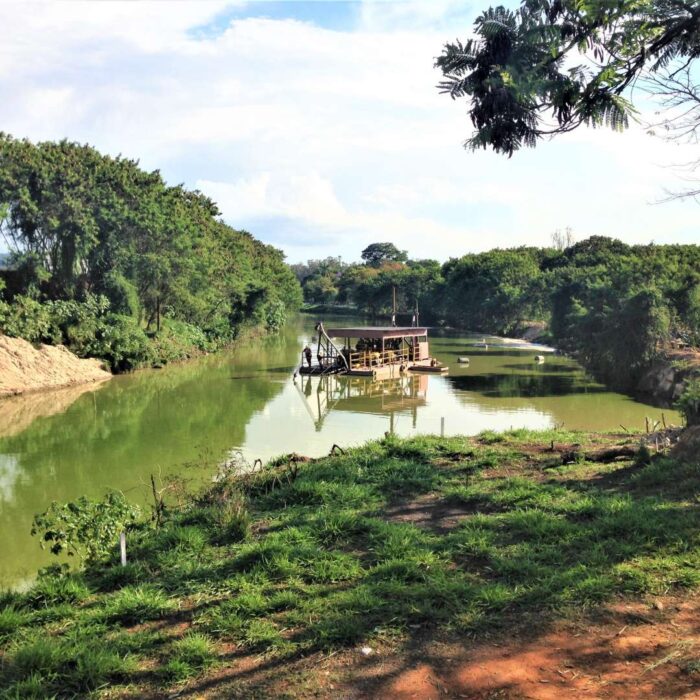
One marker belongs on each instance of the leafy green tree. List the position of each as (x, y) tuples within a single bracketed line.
[(376, 254), (82, 225), (491, 291), (521, 80), (689, 402), (691, 313), (319, 279), (618, 337)]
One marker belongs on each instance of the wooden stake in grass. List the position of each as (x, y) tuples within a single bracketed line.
[(122, 546)]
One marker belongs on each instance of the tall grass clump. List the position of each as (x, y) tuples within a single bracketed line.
[(190, 655), (134, 604), (48, 667)]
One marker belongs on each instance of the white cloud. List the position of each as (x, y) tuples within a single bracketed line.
[(306, 197), (319, 140)]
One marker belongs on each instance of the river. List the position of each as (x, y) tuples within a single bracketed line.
[(185, 419)]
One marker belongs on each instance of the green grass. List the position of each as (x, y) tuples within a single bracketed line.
[(132, 605), (45, 667), (189, 656), (292, 561), (11, 620)]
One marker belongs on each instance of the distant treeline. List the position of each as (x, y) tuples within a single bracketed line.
[(611, 304), (113, 262)]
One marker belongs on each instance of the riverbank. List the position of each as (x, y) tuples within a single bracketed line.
[(668, 376), (522, 563), (30, 368), (664, 381), (27, 368)]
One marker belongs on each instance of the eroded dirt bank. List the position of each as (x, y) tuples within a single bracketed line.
[(25, 368)]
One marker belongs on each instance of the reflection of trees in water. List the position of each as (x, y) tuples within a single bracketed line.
[(150, 421), (525, 385), (144, 423), (548, 367), (135, 425)]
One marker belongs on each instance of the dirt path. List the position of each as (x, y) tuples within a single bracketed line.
[(24, 367), (634, 651), (642, 650)]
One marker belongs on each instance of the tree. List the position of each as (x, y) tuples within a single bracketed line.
[(82, 225), (522, 84), (376, 254), (561, 240), (491, 291)]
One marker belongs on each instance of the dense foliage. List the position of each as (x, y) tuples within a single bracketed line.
[(611, 304), (689, 403), (376, 254), (110, 260), (520, 75)]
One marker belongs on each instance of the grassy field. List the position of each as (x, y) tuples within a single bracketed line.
[(377, 546)]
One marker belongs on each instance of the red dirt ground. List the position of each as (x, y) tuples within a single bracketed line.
[(637, 651), (647, 649)]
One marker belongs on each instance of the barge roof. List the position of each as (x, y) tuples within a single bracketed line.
[(377, 332)]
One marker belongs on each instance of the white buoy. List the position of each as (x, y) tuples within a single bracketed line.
[(539, 359), (463, 360)]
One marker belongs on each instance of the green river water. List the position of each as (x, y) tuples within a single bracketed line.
[(187, 419)]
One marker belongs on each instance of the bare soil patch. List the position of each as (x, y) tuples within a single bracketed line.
[(648, 649), (24, 367), (428, 511)]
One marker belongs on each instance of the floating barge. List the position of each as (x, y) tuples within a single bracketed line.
[(379, 352)]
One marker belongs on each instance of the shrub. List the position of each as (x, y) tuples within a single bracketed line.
[(122, 343), (29, 319), (275, 315), (84, 527), (689, 402)]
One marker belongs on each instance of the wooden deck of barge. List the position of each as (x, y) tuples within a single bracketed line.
[(380, 352)]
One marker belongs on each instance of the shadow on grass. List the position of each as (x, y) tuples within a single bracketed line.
[(334, 569)]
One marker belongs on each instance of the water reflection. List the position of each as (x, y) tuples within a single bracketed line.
[(527, 385), (321, 395), (10, 475)]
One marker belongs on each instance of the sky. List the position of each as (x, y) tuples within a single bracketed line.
[(318, 127)]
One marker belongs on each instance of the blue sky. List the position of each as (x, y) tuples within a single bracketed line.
[(317, 126)]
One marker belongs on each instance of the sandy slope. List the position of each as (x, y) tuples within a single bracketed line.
[(24, 367)]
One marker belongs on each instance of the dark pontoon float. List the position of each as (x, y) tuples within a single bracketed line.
[(380, 352)]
